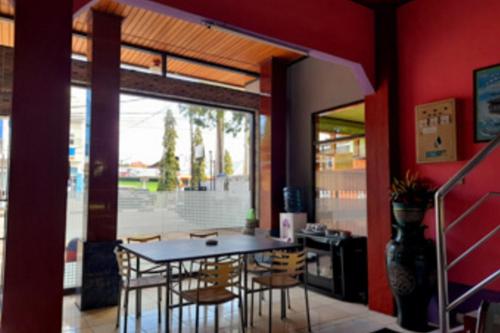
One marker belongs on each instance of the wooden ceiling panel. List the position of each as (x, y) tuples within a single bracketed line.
[(6, 7), (201, 72), (172, 36), (6, 33)]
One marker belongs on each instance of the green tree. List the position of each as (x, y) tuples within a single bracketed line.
[(228, 164), (198, 116), (169, 165), (198, 167), (240, 121), (205, 117)]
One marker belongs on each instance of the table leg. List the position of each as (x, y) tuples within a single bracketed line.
[(167, 300), (138, 293), (245, 288)]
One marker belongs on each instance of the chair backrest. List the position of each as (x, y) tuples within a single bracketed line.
[(138, 261), (204, 234), (147, 239), (220, 274), (488, 320), (290, 263), (124, 266)]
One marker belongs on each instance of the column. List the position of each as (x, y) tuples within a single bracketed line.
[(272, 143), (99, 274), (34, 266), (381, 150)]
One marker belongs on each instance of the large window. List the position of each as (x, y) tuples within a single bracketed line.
[(78, 153), (4, 171), (182, 167), (340, 176)]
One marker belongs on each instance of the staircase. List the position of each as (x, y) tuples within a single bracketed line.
[(445, 305)]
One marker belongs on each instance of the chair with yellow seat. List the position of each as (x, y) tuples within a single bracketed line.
[(216, 282), (287, 269)]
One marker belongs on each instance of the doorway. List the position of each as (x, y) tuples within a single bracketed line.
[(340, 168)]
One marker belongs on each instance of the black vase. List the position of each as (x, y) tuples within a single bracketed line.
[(411, 267)]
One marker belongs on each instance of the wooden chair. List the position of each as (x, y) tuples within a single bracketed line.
[(488, 319), (287, 268), (261, 268), (146, 269), (199, 235), (215, 284), (151, 269), (129, 283)]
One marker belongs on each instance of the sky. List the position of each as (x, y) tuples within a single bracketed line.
[(142, 127)]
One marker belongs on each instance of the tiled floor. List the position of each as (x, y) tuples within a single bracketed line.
[(327, 315)]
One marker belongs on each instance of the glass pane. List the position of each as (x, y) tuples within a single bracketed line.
[(182, 168), (4, 172), (78, 160), (341, 169)]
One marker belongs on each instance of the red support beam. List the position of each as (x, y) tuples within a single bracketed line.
[(99, 272), (104, 51), (34, 253), (381, 159), (272, 175)]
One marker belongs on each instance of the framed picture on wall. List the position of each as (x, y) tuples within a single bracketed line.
[(486, 103)]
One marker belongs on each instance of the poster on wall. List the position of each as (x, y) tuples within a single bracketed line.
[(486, 103), (436, 132)]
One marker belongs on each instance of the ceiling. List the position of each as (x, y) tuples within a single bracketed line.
[(355, 113), (348, 120), (151, 30)]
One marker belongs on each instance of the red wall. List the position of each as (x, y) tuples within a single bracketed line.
[(319, 24), (440, 44)]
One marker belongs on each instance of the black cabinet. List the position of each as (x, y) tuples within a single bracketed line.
[(337, 266)]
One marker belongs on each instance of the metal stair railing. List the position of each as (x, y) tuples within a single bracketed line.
[(445, 307)]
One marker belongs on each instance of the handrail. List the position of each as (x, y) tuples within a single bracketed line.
[(468, 167), (471, 292), (471, 209), (474, 247), (442, 262)]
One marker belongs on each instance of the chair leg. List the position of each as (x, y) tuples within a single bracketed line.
[(251, 303), (243, 328), (126, 311), (289, 299), (283, 304), (180, 307), (261, 293), (159, 305), (191, 266), (216, 321), (119, 306), (197, 320), (270, 310), (307, 308)]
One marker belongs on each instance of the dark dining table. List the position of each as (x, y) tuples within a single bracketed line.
[(175, 251)]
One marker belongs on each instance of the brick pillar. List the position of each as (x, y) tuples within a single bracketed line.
[(99, 279), (272, 143), (34, 252)]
